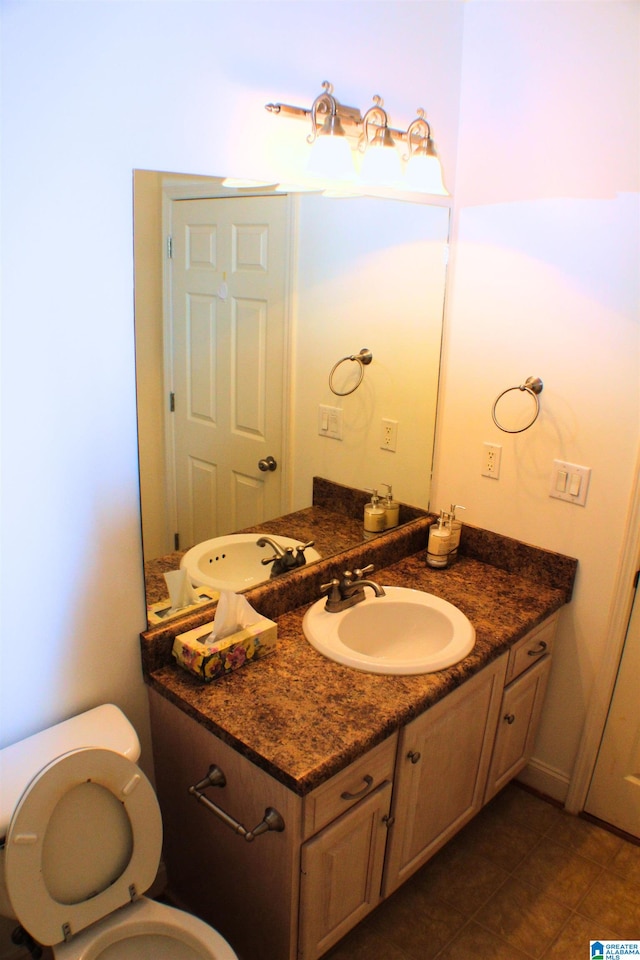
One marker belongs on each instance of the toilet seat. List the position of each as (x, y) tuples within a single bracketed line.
[(84, 840), (147, 930)]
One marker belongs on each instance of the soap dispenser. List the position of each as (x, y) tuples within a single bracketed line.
[(439, 540), (374, 516), (456, 529), (391, 508)]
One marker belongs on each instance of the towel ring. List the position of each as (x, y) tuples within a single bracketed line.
[(533, 386), (364, 358)]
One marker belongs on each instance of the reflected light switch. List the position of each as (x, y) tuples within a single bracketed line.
[(561, 481), (570, 482), (330, 422)]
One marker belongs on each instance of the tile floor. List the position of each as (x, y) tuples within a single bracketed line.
[(522, 881)]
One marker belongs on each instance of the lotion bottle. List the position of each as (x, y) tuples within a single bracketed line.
[(391, 508), (456, 529), (374, 516), (439, 540)]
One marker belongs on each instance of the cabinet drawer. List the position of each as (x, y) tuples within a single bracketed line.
[(349, 786), (532, 647)]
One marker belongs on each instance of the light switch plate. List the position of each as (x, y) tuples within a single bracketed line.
[(330, 422), (570, 482)]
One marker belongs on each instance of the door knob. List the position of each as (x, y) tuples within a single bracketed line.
[(268, 463)]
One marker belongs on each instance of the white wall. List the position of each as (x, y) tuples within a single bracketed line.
[(545, 283), (92, 91)]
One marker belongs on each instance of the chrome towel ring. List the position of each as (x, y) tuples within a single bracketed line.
[(364, 358), (532, 386)]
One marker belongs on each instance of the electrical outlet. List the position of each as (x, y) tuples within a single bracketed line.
[(492, 453), (389, 435)]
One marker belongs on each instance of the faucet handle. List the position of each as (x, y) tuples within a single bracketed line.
[(326, 587), (301, 547), (360, 573)]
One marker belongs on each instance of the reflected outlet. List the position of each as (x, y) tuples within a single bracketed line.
[(491, 456)]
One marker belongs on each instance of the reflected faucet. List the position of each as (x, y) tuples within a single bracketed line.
[(267, 541), (345, 593), (283, 559)]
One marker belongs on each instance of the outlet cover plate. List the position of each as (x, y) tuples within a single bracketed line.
[(491, 456)]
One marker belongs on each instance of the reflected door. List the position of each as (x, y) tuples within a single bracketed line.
[(228, 283)]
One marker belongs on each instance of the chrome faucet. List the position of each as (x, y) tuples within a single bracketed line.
[(345, 593)]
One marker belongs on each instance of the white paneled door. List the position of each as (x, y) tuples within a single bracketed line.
[(228, 275), (614, 795)]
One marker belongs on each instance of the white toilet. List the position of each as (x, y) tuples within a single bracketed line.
[(82, 841)]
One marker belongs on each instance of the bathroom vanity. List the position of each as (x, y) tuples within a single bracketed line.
[(371, 774)]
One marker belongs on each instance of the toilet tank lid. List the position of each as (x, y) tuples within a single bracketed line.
[(105, 726)]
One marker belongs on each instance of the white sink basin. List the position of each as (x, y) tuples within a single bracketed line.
[(234, 562), (404, 632)]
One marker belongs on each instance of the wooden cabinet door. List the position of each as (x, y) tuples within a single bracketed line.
[(342, 873), (518, 725), (441, 771)]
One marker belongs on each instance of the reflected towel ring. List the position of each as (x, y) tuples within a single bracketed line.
[(364, 358), (533, 386)]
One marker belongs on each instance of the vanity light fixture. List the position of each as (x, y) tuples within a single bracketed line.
[(381, 162), (330, 158), (423, 172), (352, 151)]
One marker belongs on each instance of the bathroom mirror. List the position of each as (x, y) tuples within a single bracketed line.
[(355, 272)]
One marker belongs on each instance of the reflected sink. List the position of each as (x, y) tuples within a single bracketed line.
[(234, 562), (404, 632)]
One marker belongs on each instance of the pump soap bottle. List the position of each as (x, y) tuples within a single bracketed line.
[(456, 530), (391, 508), (374, 517), (439, 540)]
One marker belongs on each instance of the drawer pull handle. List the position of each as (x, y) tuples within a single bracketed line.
[(509, 717), (413, 755), (368, 781), (539, 651)]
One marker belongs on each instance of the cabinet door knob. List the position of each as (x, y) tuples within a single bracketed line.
[(368, 780), (538, 650), (413, 755), (509, 717), (388, 820)]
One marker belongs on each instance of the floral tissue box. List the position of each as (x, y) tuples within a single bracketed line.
[(210, 659)]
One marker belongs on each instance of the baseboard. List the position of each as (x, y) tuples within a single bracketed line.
[(545, 779)]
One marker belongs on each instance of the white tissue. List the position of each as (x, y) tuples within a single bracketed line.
[(181, 593), (233, 613)]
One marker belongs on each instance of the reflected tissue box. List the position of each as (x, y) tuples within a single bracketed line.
[(209, 659)]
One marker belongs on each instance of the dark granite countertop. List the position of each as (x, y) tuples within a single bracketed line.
[(302, 717)]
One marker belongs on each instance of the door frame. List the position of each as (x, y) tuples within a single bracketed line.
[(203, 188), (602, 693)]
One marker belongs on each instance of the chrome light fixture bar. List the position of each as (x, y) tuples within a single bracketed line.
[(370, 139)]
